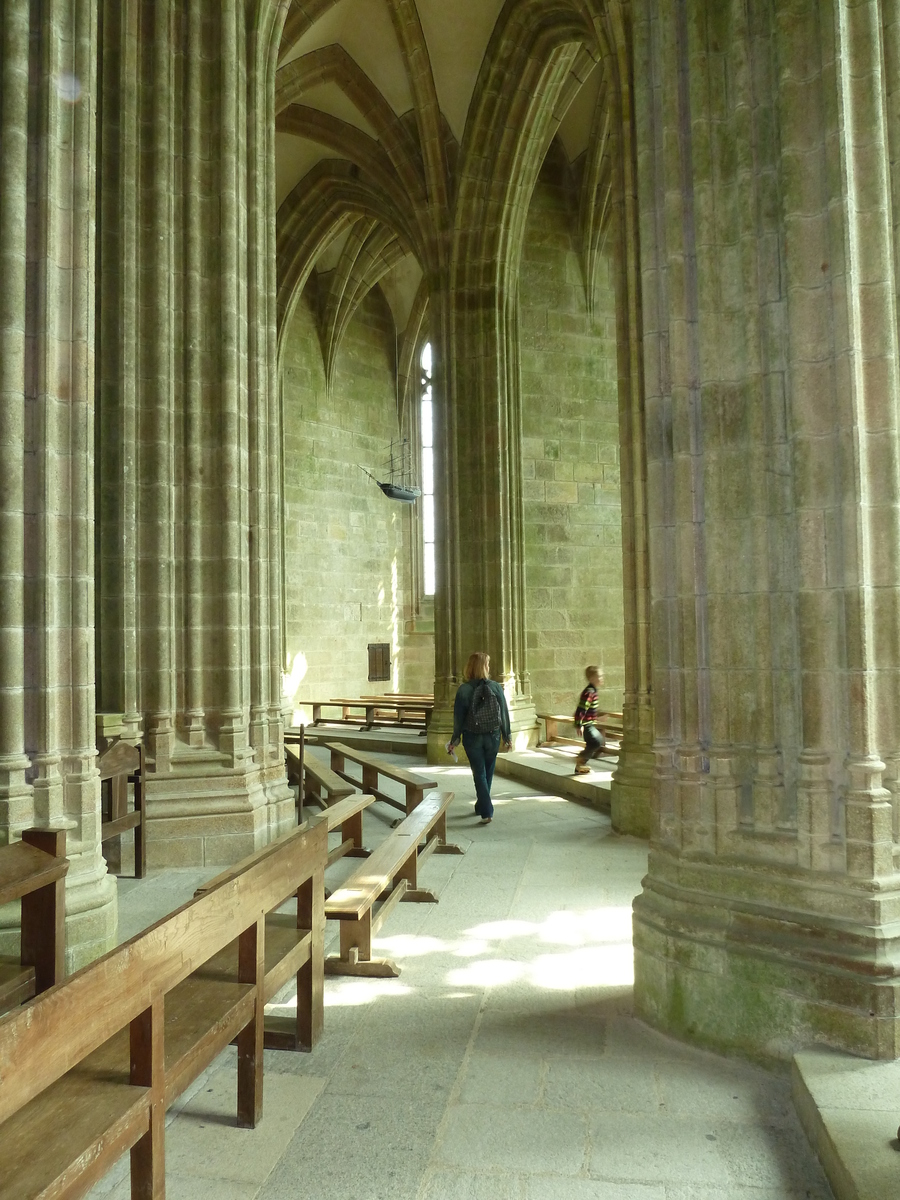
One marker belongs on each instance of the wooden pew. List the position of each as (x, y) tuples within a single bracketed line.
[(342, 718), (319, 783), (402, 710), (389, 875), (346, 815), (122, 764), (377, 711), (34, 871), (372, 767), (88, 1068)]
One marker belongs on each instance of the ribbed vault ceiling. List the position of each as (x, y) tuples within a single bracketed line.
[(372, 101)]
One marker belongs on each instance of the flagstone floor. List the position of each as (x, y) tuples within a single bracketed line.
[(504, 1063)]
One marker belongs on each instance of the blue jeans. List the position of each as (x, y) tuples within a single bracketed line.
[(481, 750)]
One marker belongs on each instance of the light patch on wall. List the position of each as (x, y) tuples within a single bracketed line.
[(294, 675), (395, 625)]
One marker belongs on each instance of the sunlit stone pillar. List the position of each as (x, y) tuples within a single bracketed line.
[(47, 161), (190, 434)]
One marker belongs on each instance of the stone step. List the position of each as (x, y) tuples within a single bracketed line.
[(850, 1109)]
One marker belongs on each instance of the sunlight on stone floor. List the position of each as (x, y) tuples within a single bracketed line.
[(504, 1063)]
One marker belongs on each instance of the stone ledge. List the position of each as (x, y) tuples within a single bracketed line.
[(551, 773), (850, 1109)]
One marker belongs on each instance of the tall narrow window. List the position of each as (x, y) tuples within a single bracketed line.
[(427, 426)]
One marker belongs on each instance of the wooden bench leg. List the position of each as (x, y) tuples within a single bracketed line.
[(139, 859), (443, 846), (148, 1156), (117, 790), (44, 916), (369, 779), (356, 952), (252, 969), (352, 830), (414, 795), (311, 976)]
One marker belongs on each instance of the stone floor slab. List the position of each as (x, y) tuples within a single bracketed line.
[(205, 1142), (654, 1149), (481, 1136)]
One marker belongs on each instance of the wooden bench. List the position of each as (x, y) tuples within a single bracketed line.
[(316, 782), (609, 723), (121, 765), (88, 1068), (409, 711), (389, 875), (34, 871), (376, 712), (372, 768), (343, 716), (346, 815)]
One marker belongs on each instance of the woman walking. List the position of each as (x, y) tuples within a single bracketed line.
[(481, 721)]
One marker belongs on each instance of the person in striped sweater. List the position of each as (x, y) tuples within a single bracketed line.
[(587, 715)]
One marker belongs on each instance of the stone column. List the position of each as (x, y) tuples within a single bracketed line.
[(768, 915), (47, 163), (480, 599), (193, 619), (630, 798), (480, 603)]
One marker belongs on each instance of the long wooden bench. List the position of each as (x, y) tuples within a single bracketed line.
[(404, 710), (372, 769), (121, 765), (389, 875), (34, 871), (609, 723), (376, 712), (88, 1068)]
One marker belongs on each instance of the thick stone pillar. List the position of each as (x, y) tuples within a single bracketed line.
[(768, 916), (47, 163), (480, 600), (480, 603), (189, 441)]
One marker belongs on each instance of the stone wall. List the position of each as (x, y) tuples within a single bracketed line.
[(347, 547), (570, 451)]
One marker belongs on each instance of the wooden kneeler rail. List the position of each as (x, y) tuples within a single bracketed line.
[(88, 1068), (389, 876)]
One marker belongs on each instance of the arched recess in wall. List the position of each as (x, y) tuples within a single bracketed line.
[(354, 245), (550, 49)]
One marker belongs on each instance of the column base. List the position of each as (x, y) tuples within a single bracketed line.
[(215, 818), (743, 960), (631, 791)]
